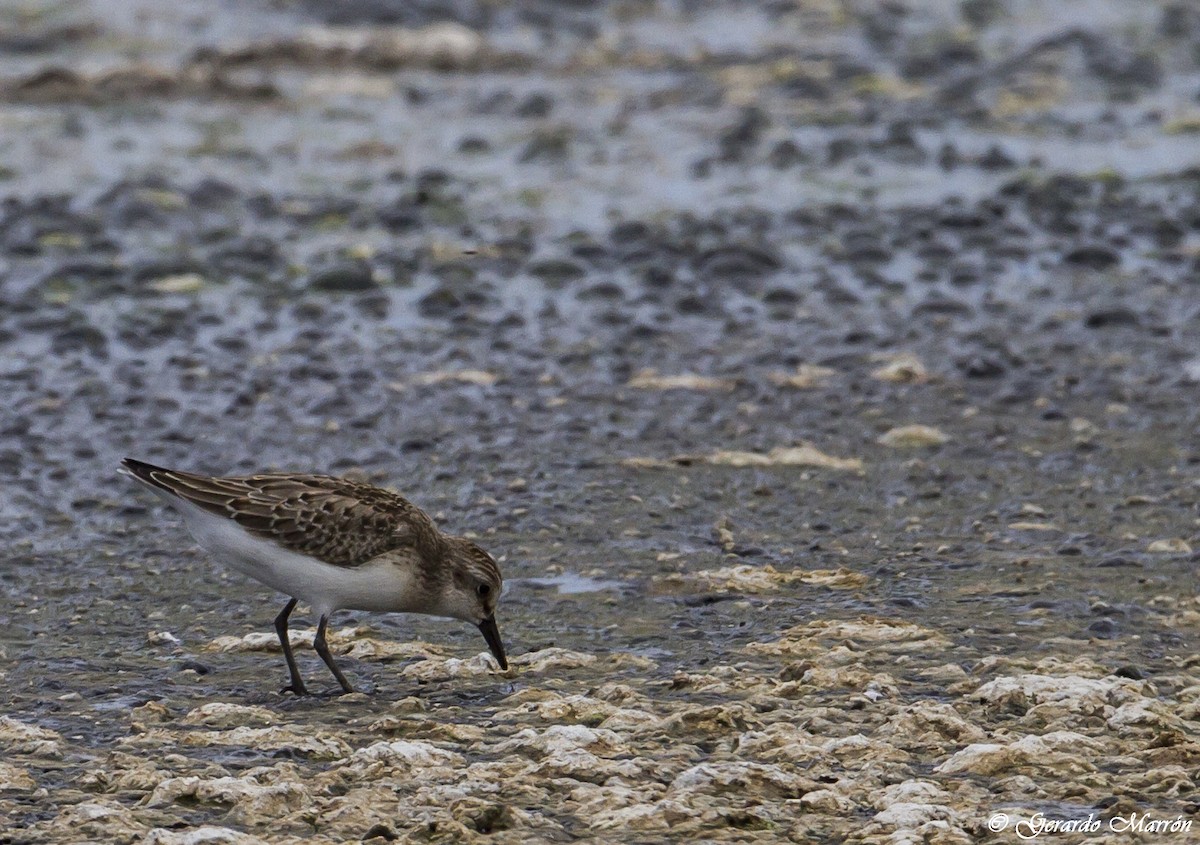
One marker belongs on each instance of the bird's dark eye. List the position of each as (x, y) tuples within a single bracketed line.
[(483, 590)]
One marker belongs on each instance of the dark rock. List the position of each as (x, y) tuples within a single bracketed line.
[(937, 304), (548, 145), (657, 276), (1180, 20), (781, 296), (1168, 233), (81, 338), (212, 193), (474, 145), (805, 87), (440, 302), (883, 23), (1093, 256), (629, 231), (962, 276), (960, 219), (840, 149), (402, 214), (996, 159), (556, 272), (343, 277), (982, 366), (1119, 66), (942, 59), (613, 317), (865, 247), (1108, 318), (785, 154), (10, 462), (535, 105), (900, 143), (84, 271), (836, 294), (739, 140), (737, 262), (710, 599), (695, 305), (609, 291), (380, 831), (458, 273), (432, 180), (1118, 561), (948, 157), (374, 305), (982, 13), (255, 257)]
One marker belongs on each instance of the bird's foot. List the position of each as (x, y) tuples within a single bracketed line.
[(296, 689)]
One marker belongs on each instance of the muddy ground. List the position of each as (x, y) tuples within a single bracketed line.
[(823, 374)]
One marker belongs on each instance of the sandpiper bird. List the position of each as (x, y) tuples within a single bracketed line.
[(334, 544)]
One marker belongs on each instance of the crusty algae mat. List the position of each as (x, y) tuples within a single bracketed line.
[(862, 730), (822, 374)]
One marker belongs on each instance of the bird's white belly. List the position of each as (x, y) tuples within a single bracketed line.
[(376, 585)]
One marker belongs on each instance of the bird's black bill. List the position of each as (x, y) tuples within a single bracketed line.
[(492, 634)]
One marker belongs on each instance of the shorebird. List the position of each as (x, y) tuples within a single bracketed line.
[(334, 544)]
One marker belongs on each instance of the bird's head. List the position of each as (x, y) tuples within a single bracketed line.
[(473, 590)]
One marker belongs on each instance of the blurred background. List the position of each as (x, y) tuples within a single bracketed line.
[(671, 304)]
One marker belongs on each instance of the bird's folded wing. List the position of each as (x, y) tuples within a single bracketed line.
[(337, 521)]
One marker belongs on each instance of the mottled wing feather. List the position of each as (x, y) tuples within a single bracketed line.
[(335, 525), (337, 521)]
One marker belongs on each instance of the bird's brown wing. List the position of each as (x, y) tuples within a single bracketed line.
[(340, 522)]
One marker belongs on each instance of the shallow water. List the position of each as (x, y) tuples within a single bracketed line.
[(579, 294)]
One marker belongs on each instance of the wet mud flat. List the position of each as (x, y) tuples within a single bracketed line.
[(823, 378)]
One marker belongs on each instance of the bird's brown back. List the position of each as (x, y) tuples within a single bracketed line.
[(338, 521)]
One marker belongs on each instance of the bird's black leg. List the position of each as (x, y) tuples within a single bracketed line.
[(322, 648), (281, 628)]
